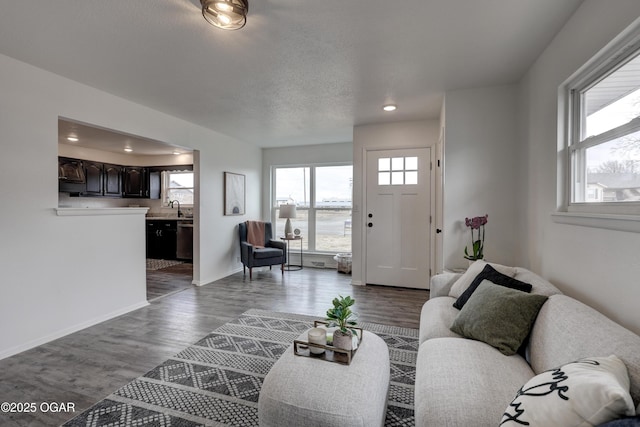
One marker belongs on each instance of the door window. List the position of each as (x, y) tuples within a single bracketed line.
[(398, 171)]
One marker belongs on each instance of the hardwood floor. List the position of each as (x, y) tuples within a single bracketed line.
[(167, 281), (84, 367)]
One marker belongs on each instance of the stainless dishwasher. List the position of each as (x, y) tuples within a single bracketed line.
[(185, 240)]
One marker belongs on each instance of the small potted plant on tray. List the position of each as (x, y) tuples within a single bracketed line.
[(340, 315)]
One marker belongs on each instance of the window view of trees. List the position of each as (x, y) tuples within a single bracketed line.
[(605, 147)]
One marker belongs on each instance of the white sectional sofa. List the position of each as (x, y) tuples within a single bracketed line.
[(463, 382)]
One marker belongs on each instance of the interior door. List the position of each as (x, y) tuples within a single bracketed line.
[(397, 217)]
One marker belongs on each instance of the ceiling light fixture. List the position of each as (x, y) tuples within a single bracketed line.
[(176, 153), (72, 138), (225, 14), (390, 107), (128, 150)]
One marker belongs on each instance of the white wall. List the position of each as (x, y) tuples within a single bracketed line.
[(600, 267), (481, 172), (64, 273), (385, 136)]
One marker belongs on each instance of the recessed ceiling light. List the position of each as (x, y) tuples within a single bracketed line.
[(176, 153), (128, 150), (390, 107), (72, 138)]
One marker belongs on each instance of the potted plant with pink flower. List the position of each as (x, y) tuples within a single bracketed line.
[(476, 225)]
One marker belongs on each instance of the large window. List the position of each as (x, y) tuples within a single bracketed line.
[(322, 195), (604, 135)]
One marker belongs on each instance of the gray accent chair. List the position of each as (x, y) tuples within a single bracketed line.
[(274, 251)]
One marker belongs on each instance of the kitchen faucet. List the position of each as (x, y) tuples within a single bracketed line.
[(171, 202)]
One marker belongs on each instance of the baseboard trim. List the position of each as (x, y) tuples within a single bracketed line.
[(208, 281), (66, 331)]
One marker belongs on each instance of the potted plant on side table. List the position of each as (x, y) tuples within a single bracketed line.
[(340, 315)]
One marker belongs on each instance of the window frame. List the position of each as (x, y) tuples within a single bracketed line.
[(165, 175), (621, 50), (312, 209)]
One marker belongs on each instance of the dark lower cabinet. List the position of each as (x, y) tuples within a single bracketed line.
[(162, 239)]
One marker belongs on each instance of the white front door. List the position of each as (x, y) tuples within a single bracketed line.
[(397, 217)]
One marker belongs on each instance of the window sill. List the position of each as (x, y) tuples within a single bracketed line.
[(630, 223)]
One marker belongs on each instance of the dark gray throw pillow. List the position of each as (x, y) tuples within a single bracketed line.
[(491, 274), (498, 316)]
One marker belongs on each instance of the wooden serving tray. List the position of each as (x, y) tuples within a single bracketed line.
[(331, 353)]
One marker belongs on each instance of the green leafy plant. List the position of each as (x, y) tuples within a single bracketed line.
[(340, 314)]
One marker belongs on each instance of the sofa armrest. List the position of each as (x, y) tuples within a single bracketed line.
[(441, 284)]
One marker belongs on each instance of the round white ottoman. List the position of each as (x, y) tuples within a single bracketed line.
[(305, 391)]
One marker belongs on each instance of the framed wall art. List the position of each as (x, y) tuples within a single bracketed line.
[(234, 194)]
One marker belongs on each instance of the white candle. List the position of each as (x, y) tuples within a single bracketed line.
[(317, 336)]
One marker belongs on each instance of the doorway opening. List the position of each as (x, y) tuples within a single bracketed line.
[(119, 170)]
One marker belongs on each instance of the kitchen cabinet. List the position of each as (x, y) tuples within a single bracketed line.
[(94, 179), (154, 185), (135, 182), (93, 172), (140, 182), (102, 179), (112, 180), (161, 239), (71, 176), (70, 170)]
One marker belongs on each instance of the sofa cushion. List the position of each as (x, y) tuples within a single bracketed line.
[(590, 391), (568, 330), (440, 284), (462, 382), (494, 276), (539, 285), (498, 316), (436, 319), (474, 269)]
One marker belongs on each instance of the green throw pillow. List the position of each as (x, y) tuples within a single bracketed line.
[(498, 316)]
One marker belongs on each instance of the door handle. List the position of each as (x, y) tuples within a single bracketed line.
[(370, 225), (438, 230)]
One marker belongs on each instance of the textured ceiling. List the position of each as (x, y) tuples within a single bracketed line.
[(300, 72)]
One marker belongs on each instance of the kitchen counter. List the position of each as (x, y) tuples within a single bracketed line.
[(167, 218)]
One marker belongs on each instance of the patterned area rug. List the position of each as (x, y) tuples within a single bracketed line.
[(159, 264), (217, 381)]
